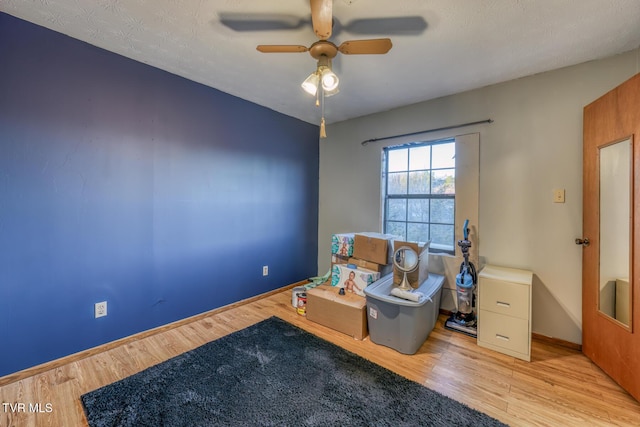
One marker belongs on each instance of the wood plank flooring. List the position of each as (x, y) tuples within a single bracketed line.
[(559, 387)]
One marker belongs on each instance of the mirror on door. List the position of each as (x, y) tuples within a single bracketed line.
[(615, 225)]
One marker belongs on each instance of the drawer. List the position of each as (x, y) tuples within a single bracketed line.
[(503, 331), (501, 297)]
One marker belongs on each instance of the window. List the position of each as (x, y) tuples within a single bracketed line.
[(419, 193)]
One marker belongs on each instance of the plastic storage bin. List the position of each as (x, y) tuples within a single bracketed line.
[(398, 323)]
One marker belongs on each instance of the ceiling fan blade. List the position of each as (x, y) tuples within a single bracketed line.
[(282, 48), (363, 47), (322, 17), (398, 26), (261, 21)]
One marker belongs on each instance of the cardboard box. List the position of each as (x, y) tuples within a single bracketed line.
[(353, 280), (342, 244), (374, 247), (343, 313), (420, 274), (380, 268), (337, 259), (364, 264)]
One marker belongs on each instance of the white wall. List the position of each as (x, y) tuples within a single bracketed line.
[(533, 147)]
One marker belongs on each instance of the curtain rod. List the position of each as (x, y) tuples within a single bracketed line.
[(426, 131)]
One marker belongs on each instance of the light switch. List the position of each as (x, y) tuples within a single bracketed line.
[(558, 195)]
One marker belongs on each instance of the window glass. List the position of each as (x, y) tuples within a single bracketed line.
[(397, 183), (419, 193), (419, 158), (398, 160), (417, 232), (441, 235), (444, 156), (419, 182), (397, 209), (418, 210), (396, 228), (443, 181), (442, 210)]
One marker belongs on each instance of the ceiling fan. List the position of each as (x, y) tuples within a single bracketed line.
[(323, 81), (322, 21)]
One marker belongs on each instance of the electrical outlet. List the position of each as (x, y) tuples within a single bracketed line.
[(100, 309), (265, 270)]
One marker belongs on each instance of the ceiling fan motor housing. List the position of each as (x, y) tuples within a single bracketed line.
[(323, 48)]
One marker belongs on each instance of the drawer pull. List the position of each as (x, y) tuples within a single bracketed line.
[(502, 337), (503, 304)]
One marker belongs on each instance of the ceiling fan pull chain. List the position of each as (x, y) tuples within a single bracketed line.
[(323, 131)]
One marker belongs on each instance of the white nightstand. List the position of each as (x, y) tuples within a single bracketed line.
[(504, 310)]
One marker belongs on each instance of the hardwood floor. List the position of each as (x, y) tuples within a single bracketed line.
[(559, 387)]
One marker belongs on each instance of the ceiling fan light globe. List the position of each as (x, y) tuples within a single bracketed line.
[(329, 80), (310, 84), (328, 93)]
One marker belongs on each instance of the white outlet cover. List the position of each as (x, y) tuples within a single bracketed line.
[(100, 309)]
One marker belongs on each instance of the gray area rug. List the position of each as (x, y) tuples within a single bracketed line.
[(273, 374)]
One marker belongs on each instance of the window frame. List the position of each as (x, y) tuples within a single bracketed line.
[(386, 197)]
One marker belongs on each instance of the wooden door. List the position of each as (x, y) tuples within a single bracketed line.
[(611, 343)]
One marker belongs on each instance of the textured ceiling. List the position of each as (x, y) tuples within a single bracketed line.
[(466, 44)]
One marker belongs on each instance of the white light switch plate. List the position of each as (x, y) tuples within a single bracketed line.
[(558, 195)]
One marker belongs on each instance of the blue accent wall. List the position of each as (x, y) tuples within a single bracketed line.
[(123, 183)]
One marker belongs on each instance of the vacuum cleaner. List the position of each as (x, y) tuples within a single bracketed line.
[(464, 320)]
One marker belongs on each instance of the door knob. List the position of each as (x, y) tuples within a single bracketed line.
[(583, 242)]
